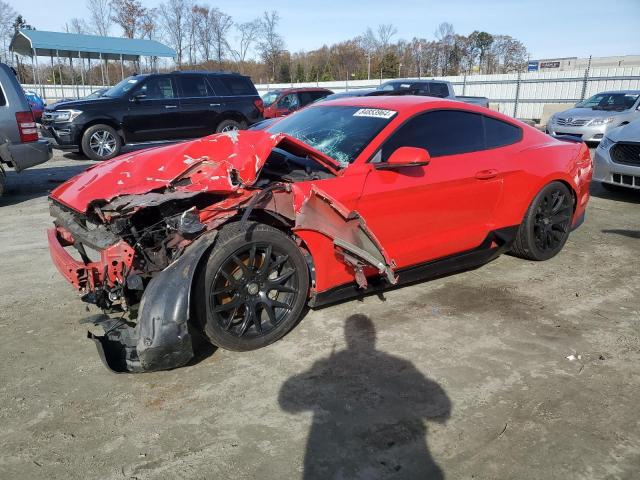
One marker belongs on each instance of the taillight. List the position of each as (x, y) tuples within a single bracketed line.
[(27, 126), (259, 105)]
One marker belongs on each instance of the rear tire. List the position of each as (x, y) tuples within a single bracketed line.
[(230, 125), (546, 225), (101, 142), (254, 287)]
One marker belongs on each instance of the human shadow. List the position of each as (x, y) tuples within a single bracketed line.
[(369, 412)]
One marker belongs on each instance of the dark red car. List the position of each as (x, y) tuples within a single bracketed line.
[(281, 102), (233, 234)]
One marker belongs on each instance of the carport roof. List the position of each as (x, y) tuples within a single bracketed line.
[(87, 46)]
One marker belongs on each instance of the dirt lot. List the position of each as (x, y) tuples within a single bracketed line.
[(463, 377)]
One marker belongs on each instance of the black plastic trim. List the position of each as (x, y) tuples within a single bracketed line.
[(484, 253)]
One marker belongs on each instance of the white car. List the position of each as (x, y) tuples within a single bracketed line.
[(617, 158)]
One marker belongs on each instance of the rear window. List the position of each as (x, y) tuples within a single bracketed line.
[(3, 101), (498, 133), (193, 86), (438, 89), (232, 85)]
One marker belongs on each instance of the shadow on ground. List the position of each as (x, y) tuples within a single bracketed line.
[(369, 412), (628, 195)]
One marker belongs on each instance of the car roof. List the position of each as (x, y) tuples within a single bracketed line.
[(301, 89), (407, 105), (392, 102), (634, 92)]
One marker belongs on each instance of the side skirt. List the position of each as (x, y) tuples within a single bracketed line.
[(497, 242)]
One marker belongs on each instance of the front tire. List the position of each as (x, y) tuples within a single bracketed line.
[(254, 287), (546, 225), (101, 142)]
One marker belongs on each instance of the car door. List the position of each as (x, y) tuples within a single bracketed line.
[(199, 107), (154, 111), (427, 212)]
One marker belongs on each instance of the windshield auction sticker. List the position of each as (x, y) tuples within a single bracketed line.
[(374, 113)]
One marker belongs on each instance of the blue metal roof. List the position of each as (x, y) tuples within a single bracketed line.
[(87, 46)]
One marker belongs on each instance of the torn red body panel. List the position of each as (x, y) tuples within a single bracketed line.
[(221, 163)]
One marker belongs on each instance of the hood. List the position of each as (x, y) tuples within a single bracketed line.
[(581, 112), (100, 102), (626, 133), (220, 163)]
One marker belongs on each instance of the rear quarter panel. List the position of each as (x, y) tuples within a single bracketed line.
[(543, 160)]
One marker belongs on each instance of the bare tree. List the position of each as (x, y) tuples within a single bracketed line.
[(128, 15), (445, 36), (77, 25), (201, 20), (6, 30), (370, 44), (385, 32), (272, 44), (247, 35), (221, 23), (174, 15), (99, 16)]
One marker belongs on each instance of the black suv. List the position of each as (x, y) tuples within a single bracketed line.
[(154, 107)]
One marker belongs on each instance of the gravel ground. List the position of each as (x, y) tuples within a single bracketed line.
[(462, 377)]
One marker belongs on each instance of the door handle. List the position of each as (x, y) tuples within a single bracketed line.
[(215, 104), (170, 106), (486, 174)]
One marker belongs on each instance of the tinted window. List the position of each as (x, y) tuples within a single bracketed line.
[(499, 133), (158, 88), (305, 98), (232, 85), (443, 132), (3, 101), (438, 89), (193, 86), (317, 95), (337, 131)]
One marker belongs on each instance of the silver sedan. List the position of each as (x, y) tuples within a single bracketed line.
[(592, 119), (617, 158)]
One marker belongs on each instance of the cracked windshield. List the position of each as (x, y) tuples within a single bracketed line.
[(339, 132)]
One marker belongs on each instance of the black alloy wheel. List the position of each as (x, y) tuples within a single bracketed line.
[(255, 287), (547, 224)]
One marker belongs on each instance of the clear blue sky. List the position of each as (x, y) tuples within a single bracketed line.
[(547, 28)]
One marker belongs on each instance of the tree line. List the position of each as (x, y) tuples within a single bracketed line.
[(206, 37)]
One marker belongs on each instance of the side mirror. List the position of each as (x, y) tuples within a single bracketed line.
[(138, 97), (405, 157)]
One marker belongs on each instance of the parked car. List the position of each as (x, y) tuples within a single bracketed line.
[(36, 103), (617, 158), (154, 107), (431, 88), (281, 102), (20, 147), (592, 119), (339, 199)]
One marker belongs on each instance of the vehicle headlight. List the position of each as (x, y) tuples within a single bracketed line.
[(601, 121), (605, 143), (64, 115)]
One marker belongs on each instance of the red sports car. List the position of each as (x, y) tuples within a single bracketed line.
[(233, 234)]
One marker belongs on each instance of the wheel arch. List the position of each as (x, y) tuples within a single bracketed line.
[(101, 121), (232, 115)]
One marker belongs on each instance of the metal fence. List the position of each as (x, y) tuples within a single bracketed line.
[(522, 95)]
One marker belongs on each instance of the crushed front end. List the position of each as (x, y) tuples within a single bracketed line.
[(114, 264)]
